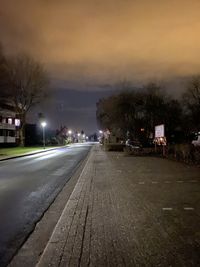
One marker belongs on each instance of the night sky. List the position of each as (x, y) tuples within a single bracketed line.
[(89, 45)]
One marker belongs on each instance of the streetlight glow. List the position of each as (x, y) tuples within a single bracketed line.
[(43, 124)]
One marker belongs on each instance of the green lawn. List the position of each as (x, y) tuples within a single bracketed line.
[(19, 150)]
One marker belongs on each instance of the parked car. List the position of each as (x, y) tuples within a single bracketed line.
[(196, 141), (133, 143)]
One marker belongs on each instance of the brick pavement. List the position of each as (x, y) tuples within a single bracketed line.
[(86, 233), (108, 222)]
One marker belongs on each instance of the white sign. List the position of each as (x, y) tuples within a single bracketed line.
[(159, 131)]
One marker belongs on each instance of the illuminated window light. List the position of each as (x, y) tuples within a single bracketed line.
[(17, 122)]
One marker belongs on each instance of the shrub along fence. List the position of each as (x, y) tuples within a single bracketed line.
[(181, 152), (184, 152)]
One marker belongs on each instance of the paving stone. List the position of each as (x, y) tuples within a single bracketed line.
[(111, 220)]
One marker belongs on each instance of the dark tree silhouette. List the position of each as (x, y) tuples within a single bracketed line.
[(191, 100), (135, 113), (26, 80)]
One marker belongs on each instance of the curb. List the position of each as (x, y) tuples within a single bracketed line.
[(58, 230)]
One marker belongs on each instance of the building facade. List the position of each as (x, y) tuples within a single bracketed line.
[(9, 125)]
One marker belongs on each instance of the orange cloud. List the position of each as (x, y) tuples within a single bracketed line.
[(104, 40)]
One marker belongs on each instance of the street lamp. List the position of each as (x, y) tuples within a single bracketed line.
[(78, 135), (70, 132), (43, 124), (70, 136)]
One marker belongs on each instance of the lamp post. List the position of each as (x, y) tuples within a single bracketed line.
[(78, 137), (43, 124), (70, 135)]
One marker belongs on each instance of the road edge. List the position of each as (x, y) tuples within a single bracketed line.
[(18, 260), (45, 253)]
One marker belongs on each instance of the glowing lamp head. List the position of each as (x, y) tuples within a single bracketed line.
[(43, 124)]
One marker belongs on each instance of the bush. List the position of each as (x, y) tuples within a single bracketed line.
[(114, 147), (185, 153)]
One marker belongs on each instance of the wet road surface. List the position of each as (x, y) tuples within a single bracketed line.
[(28, 185)]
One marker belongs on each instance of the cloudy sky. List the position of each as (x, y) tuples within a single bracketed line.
[(87, 44)]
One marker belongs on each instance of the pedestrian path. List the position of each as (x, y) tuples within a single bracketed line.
[(87, 232), (110, 221)]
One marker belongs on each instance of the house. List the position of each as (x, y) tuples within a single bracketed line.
[(9, 125)]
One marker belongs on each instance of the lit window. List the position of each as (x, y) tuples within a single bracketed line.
[(17, 122), (9, 121)]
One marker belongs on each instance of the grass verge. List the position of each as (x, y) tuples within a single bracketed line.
[(15, 151)]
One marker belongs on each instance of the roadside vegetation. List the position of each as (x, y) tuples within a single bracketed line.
[(16, 151), (23, 84), (133, 114)]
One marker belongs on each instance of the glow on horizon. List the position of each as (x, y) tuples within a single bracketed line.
[(106, 40)]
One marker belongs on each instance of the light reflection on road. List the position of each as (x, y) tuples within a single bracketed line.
[(28, 185)]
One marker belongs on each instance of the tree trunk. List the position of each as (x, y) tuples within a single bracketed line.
[(22, 130)]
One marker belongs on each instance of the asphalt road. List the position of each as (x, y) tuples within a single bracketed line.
[(28, 185)]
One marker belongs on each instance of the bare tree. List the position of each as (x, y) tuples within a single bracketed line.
[(135, 113), (192, 94), (191, 100), (26, 81), (3, 79)]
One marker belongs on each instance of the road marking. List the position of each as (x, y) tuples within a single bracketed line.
[(179, 181), (154, 182), (193, 181), (188, 208), (167, 208), (141, 183)]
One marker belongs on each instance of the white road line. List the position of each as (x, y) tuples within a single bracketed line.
[(179, 181), (188, 208), (167, 208), (141, 183)]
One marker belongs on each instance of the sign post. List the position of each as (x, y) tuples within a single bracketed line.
[(160, 138)]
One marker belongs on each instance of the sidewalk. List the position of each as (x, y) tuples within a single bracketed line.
[(88, 230), (115, 215)]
